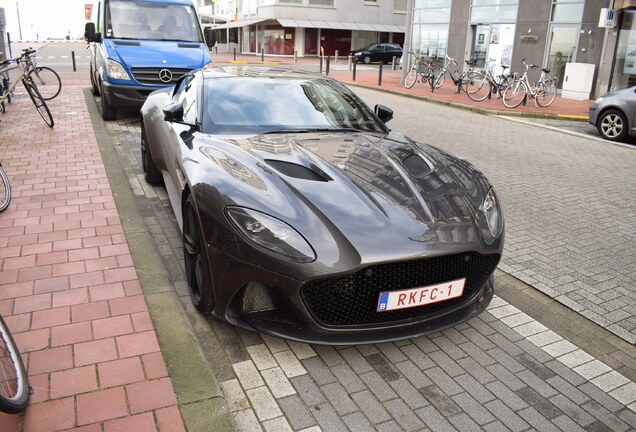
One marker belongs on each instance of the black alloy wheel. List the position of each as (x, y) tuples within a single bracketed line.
[(196, 259)]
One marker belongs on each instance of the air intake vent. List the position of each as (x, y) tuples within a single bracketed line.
[(296, 171), (417, 166), (183, 45)]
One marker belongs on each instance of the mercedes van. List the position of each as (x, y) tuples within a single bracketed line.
[(137, 46)]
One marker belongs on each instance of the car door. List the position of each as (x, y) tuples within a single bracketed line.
[(377, 54)]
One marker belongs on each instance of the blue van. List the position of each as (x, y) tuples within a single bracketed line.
[(138, 46)]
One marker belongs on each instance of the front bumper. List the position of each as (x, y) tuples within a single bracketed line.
[(123, 96), (287, 310)]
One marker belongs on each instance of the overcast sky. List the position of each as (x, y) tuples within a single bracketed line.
[(44, 18)]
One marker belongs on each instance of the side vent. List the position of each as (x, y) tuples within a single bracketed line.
[(296, 171), (417, 166)]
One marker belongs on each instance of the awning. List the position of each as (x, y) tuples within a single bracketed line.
[(242, 23), (337, 25)]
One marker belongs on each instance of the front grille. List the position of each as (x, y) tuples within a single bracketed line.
[(151, 75), (353, 299)]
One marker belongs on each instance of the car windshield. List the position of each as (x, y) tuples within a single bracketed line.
[(152, 21), (266, 105)]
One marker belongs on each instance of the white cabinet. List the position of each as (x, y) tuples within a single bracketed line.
[(577, 82)]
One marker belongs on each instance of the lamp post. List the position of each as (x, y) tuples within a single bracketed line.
[(19, 24)]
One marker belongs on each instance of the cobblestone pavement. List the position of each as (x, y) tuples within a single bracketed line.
[(500, 371)]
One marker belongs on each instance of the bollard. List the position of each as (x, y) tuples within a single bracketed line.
[(262, 55), (320, 68), (73, 57), (327, 69), (394, 63), (336, 57), (9, 43), (234, 54), (295, 56), (349, 62), (354, 71), (380, 74)]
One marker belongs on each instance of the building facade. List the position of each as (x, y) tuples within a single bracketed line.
[(304, 27), (548, 33)]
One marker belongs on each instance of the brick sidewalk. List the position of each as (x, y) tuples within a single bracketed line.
[(68, 287)]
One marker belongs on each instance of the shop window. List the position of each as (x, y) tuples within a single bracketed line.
[(494, 10), (399, 5), (567, 11), (321, 2), (624, 70)]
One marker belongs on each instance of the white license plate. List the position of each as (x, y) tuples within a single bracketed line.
[(392, 300)]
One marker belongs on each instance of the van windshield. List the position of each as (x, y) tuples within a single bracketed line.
[(152, 21)]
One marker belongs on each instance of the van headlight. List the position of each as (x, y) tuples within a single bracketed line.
[(270, 233), (492, 217), (117, 71)]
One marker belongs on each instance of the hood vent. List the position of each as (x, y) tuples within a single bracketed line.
[(296, 171), (417, 166), (184, 45)]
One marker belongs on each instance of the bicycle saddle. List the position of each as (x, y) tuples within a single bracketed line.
[(545, 70), (504, 67), (470, 62)]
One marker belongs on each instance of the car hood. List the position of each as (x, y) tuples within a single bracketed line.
[(383, 194), (151, 53)]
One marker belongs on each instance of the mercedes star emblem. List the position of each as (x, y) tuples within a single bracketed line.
[(165, 75)]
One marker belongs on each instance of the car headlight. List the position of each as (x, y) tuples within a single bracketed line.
[(270, 233), (493, 217), (598, 100), (117, 71)]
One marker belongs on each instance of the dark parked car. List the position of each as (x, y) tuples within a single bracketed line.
[(305, 217), (377, 52), (614, 114)]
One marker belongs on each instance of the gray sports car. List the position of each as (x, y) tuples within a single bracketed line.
[(305, 217), (614, 113)]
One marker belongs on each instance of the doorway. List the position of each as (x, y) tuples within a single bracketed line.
[(481, 36), (562, 43)]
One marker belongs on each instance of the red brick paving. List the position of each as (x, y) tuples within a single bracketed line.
[(68, 287)]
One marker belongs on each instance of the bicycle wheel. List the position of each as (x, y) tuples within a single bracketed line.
[(411, 78), (5, 190), (478, 87), (14, 383), (39, 103), (6, 85), (546, 93), (514, 94), (437, 81), (48, 82)]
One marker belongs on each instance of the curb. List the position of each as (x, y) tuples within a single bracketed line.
[(484, 111), (198, 393)]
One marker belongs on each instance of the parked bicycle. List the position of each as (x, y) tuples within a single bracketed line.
[(14, 382), (25, 75), (543, 91), (5, 190), (48, 81), (486, 83), (461, 81), (421, 69)]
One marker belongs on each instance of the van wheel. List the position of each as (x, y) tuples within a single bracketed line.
[(108, 112)]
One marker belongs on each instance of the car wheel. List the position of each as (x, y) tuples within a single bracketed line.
[(151, 173), (108, 112), (366, 59), (612, 125), (196, 259)]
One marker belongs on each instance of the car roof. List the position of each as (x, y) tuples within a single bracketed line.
[(257, 71)]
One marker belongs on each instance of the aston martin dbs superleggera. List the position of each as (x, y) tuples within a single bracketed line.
[(305, 217)]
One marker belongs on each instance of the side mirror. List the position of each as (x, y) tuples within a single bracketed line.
[(384, 113), (90, 34), (174, 113), (210, 37)]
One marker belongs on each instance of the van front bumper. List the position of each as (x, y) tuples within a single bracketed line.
[(122, 96)]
